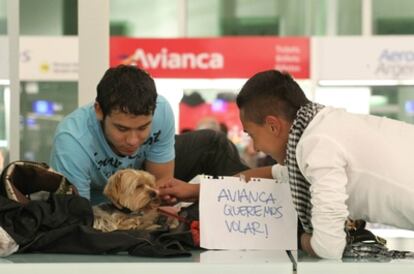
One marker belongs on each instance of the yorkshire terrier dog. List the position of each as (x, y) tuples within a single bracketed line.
[(134, 200)]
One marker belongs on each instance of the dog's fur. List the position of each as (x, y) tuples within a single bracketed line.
[(130, 189)]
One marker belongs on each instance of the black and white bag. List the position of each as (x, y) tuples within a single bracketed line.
[(22, 181)]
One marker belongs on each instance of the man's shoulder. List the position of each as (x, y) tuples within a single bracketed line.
[(326, 120), (162, 102), (77, 123), (163, 112)]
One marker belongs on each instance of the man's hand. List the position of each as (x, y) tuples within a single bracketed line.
[(306, 245), (173, 190)]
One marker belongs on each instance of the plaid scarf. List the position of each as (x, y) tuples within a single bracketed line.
[(298, 184)]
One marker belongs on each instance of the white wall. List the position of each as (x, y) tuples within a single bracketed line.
[(4, 58)]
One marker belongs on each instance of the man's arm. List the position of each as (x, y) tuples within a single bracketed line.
[(276, 171), (174, 190), (160, 158), (323, 163), (161, 171), (259, 172), (171, 190), (70, 160), (305, 243)]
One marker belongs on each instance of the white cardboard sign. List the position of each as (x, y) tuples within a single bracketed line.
[(239, 215)]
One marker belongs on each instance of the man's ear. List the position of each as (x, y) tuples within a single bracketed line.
[(273, 124), (98, 111)]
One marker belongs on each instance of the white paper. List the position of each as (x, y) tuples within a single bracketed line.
[(254, 215)]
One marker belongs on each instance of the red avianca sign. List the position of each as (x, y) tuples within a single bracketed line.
[(225, 57)]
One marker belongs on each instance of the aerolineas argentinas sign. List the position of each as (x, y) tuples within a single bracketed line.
[(227, 57)]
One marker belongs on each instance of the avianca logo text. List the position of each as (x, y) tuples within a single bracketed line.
[(174, 60)]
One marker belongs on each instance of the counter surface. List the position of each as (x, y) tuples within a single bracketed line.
[(200, 262)]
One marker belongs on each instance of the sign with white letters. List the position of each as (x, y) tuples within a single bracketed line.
[(237, 215), (220, 57)]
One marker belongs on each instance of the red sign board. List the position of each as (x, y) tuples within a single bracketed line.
[(225, 57)]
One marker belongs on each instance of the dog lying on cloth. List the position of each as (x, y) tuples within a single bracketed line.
[(62, 221), (134, 199)]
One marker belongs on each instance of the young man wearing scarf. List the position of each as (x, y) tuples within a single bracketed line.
[(339, 165)]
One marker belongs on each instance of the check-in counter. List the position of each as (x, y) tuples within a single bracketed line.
[(216, 262)]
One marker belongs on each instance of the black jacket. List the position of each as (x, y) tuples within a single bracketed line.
[(63, 224)]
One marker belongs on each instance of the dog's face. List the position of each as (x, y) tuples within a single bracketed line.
[(132, 189)]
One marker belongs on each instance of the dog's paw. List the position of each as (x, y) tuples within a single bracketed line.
[(104, 224), (153, 227), (129, 223), (173, 223)]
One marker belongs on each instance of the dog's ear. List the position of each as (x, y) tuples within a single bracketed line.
[(148, 179), (112, 188)]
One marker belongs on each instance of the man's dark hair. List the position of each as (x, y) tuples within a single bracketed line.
[(127, 89), (271, 92)]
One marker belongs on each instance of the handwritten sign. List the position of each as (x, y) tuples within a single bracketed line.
[(239, 215)]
